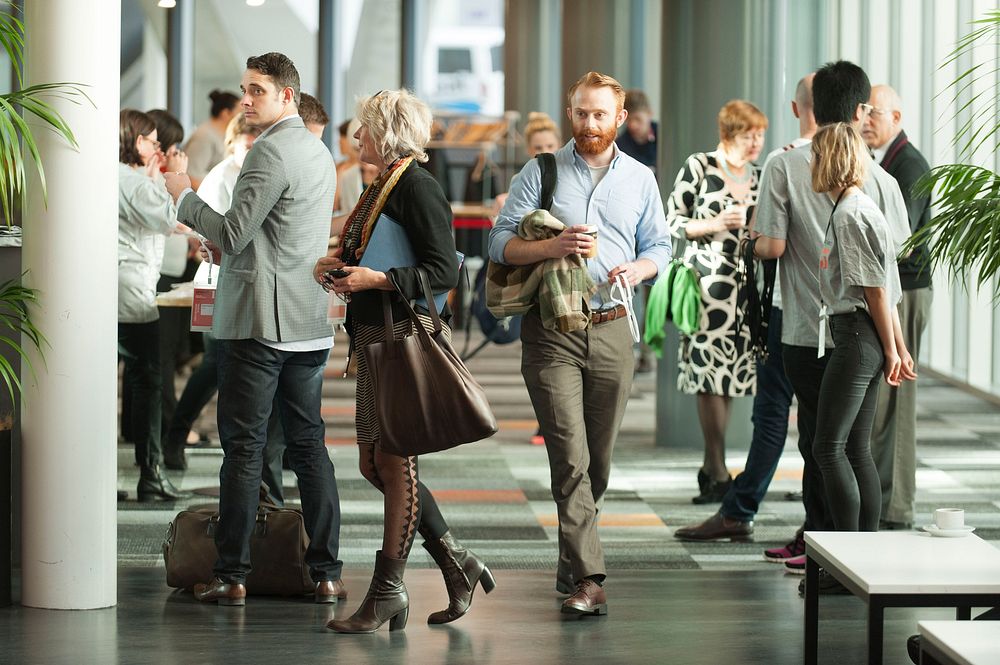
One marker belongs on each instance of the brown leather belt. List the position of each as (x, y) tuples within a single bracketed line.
[(605, 315)]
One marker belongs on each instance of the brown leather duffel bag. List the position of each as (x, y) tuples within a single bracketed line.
[(277, 551)]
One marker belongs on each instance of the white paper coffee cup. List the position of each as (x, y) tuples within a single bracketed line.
[(948, 519)]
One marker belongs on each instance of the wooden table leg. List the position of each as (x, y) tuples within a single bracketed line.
[(812, 611), (875, 618)]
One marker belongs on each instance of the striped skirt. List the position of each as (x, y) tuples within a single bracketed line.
[(365, 420)]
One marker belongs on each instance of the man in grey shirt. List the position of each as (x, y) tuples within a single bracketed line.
[(791, 222)]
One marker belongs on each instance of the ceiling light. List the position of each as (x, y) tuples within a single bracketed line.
[(167, 4), (254, 3)]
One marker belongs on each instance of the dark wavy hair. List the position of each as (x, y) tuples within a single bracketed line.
[(838, 88), (131, 125), (222, 101), (280, 68), (168, 129), (312, 112)]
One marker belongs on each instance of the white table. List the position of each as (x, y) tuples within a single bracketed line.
[(961, 642), (899, 569)]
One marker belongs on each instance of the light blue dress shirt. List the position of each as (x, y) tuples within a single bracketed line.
[(625, 205)]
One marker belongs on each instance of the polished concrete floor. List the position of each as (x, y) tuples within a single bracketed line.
[(669, 602), (654, 617)]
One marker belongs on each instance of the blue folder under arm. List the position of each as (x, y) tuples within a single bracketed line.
[(390, 248)]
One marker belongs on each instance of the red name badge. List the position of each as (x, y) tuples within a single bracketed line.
[(202, 307)]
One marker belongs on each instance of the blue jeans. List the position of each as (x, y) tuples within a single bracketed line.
[(250, 374), (770, 429)]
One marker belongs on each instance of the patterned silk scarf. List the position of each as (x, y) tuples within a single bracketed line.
[(361, 222)]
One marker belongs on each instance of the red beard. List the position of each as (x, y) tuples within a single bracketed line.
[(590, 144)]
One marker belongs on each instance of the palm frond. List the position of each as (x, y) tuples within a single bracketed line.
[(964, 236), (15, 320), (976, 107), (18, 146)]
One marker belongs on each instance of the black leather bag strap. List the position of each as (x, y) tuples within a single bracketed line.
[(550, 177)]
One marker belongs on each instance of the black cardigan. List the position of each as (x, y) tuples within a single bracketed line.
[(419, 205), (905, 163)]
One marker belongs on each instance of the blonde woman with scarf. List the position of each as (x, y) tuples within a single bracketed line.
[(395, 127)]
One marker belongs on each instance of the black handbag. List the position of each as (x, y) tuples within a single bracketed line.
[(426, 400)]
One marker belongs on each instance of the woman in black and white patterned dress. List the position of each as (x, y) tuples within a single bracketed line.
[(710, 206)]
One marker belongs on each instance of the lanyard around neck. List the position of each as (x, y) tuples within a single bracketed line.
[(829, 223), (823, 310)]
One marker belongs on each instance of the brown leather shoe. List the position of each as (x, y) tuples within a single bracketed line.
[(718, 527), (588, 599), (222, 593), (330, 591)]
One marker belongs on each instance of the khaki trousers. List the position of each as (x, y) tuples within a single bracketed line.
[(579, 384), (894, 432)]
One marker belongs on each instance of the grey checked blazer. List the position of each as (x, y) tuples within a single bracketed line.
[(277, 227)]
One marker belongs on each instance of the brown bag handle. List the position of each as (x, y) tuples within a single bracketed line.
[(425, 338)]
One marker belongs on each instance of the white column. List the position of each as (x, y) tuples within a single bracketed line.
[(69, 467)]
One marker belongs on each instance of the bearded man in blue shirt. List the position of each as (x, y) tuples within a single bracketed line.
[(579, 381)]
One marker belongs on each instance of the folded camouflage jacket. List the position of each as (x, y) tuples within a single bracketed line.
[(560, 287)]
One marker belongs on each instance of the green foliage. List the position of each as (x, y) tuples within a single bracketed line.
[(964, 234), (15, 322), (18, 147), (18, 154)]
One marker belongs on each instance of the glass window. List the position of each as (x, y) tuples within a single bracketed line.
[(454, 60), (496, 53)]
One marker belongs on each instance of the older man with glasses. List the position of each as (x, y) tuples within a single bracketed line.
[(894, 437)]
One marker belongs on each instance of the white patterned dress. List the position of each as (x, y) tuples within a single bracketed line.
[(716, 359)]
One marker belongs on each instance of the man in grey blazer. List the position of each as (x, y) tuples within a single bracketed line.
[(270, 320)]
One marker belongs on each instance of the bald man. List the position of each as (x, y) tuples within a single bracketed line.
[(894, 440)]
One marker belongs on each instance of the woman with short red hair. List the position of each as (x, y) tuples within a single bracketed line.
[(711, 203)]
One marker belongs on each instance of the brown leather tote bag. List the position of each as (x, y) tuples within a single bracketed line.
[(426, 400)]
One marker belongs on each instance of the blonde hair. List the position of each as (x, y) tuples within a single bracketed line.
[(598, 80), (739, 116), (399, 123), (539, 122), (839, 158), (236, 128)]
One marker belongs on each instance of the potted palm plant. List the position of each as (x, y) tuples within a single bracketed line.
[(18, 154), (964, 234)]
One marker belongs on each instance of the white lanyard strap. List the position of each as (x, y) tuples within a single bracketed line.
[(622, 285)]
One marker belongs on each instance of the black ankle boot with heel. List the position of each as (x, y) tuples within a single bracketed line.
[(154, 486), (462, 571)]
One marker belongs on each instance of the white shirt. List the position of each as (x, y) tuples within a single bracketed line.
[(146, 216), (878, 154)]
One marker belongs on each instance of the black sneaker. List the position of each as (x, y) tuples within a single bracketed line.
[(828, 585)]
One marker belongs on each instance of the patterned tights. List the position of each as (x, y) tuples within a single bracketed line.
[(409, 506)]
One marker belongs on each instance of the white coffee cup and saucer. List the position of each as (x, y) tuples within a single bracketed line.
[(949, 523)]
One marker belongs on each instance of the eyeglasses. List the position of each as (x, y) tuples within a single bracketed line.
[(876, 111), (156, 144), (749, 137), (867, 108)]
